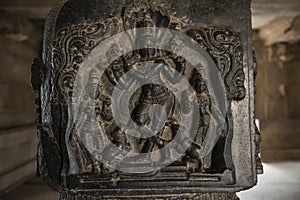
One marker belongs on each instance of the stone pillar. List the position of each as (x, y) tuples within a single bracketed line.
[(147, 99), (277, 47)]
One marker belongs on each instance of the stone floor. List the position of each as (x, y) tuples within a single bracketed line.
[(32, 190), (281, 181)]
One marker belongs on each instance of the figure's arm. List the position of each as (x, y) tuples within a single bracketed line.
[(110, 75)]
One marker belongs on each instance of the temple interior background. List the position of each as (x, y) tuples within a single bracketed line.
[(276, 41)]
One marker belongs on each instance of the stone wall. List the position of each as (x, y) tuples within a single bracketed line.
[(20, 41)]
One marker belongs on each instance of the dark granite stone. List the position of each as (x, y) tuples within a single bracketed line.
[(85, 154)]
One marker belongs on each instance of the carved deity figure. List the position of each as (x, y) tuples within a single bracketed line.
[(139, 98)]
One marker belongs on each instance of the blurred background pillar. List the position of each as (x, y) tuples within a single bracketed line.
[(277, 46)]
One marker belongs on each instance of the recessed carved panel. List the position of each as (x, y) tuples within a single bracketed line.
[(91, 147)]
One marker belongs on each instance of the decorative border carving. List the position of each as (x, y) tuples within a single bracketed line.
[(74, 43)]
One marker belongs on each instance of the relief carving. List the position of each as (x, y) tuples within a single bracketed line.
[(74, 43), (152, 105)]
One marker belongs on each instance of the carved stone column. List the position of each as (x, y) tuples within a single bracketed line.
[(147, 99)]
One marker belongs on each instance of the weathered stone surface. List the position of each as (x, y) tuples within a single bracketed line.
[(17, 143), (197, 196), (264, 13), (19, 44), (284, 29), (17, 101), (34, 3), (223, 154)]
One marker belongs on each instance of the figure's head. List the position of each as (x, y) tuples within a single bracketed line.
[(146, 14)]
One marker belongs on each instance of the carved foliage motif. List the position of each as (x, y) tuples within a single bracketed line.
[(72, 46), (75, 43), (226, 50)]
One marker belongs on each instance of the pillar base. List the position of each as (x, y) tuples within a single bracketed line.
[(200, 196)]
